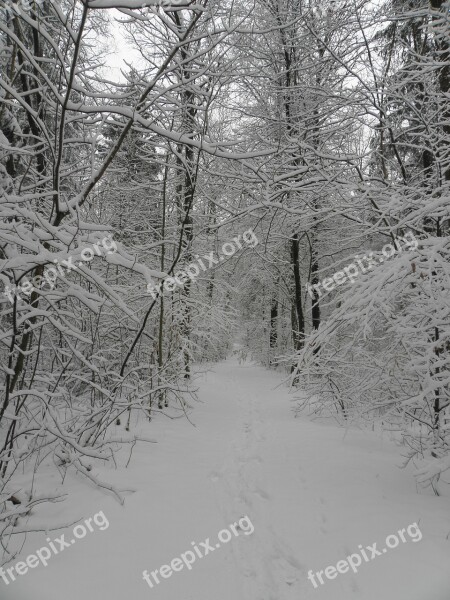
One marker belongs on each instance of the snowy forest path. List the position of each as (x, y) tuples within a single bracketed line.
[(312, 491), (271, 570)]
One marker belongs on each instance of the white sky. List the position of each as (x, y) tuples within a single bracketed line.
[(120, 49)]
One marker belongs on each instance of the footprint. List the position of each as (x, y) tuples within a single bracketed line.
[(261, 493), (354, 586), (294, 562)]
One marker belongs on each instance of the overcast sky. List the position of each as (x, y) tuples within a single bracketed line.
[(121, 51)]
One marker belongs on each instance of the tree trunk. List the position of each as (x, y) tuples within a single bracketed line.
[(299, 334)]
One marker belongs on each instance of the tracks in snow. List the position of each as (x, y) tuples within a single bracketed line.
[(268, 567)]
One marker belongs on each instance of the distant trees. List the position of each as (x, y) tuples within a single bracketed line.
[(302, 106)]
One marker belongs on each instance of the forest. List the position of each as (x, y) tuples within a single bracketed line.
[(200, 197)]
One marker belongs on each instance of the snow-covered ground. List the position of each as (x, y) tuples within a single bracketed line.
[(312, 491)]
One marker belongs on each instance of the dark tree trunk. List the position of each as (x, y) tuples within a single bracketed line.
[(299, 334), (273, 327)]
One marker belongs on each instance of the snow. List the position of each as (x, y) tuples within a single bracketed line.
[(313, 492)]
